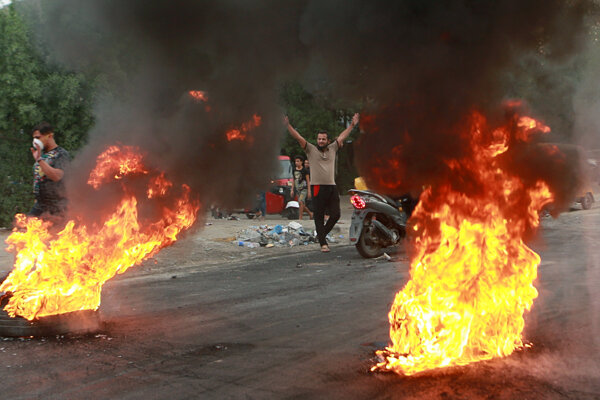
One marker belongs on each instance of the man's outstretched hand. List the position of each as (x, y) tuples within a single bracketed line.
[(294, 132), (355, 119)]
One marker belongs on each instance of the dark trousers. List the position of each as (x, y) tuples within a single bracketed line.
[(325, 197), (40, 207), (36, 210)]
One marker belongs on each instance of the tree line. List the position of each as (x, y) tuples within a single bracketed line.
[(33, 90)]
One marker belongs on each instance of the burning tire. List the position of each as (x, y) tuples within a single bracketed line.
[(77, 322)]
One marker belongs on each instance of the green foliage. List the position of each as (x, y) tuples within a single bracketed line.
[(309, 114), (32, 91)]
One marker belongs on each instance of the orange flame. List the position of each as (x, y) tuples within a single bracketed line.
[(115, 163), (530, 125), (198, 95), (241, 133), (56, 273), (159, 186), (471, 274)]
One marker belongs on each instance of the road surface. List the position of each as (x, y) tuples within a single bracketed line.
[(304, 326)]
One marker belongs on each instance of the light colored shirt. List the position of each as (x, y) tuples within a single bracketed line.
[(322, 163)]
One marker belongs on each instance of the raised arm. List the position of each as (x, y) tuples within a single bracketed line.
[(294, 132), (54, 174), (342, 136)]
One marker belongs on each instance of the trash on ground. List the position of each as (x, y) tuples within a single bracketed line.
[(243, 243), (291, 235), (384, 256), (295, 225)]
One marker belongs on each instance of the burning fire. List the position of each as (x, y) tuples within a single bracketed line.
[(241, 133), (198, 95), (159, 186), (471, 274), (56, 273), (115, 163)]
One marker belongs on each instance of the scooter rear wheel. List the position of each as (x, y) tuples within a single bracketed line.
[(366, 247)]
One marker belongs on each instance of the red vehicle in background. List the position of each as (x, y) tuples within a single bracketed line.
[(280, 190)]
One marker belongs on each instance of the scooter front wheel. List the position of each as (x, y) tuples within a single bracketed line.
[(367, 247)]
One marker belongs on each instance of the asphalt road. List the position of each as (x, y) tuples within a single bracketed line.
[(304, 326)]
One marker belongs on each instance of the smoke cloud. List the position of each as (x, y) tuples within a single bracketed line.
[(420, 67), (236, 52)]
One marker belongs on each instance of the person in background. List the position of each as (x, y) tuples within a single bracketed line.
[(300, 185), (324, 191), (48, 172), (261, 206)]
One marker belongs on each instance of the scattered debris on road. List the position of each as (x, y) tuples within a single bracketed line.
[(294, 234)]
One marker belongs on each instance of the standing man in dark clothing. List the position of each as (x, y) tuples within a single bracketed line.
[(48, 172), (322, 177)]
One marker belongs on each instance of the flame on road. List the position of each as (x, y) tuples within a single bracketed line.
[(56, 273), (471, 273)]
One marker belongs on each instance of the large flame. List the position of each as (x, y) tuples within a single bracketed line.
[(471, 274), (56, 273)]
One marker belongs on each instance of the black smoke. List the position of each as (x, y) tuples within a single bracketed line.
[(152, 53), (419, 67)]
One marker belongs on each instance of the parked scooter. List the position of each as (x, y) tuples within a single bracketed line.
[(378, 221)]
